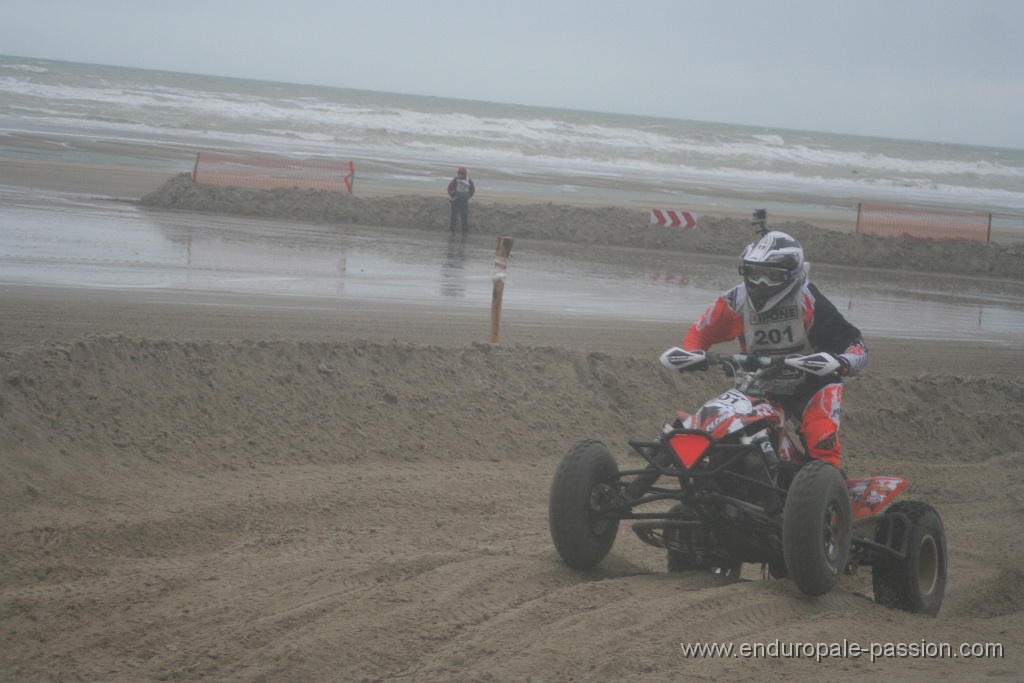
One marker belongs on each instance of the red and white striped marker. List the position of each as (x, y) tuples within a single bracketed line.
[(673, 219)]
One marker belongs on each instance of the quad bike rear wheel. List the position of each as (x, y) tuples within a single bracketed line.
[(584, 485), (918, 582), (816, 528), (679, 561)]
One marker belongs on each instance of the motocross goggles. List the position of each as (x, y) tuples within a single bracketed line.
[(765, 276)]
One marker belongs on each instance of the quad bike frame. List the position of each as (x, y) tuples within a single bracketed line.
[(720, 521)]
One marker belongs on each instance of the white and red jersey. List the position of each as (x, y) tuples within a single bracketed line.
[(462, 188), (802, 322)]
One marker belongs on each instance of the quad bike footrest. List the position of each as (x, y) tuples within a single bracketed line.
[(655, 532)]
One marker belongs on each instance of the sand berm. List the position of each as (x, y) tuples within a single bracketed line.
[(607, 226)]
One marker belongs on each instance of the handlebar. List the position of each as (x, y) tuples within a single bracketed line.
[(820, 364)]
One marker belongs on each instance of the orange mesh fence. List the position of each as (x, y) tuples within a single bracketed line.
[(267, 173), (894, 221)]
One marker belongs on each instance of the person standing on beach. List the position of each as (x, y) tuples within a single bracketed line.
[(460, 189)]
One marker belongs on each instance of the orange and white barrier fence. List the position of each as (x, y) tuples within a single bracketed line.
[(267, 173), (674, 219), (943, 226)]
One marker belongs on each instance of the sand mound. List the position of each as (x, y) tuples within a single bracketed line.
[(288, 510), (613, 226)]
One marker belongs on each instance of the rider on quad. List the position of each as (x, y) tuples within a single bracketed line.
[(777, 311), (746, 494)]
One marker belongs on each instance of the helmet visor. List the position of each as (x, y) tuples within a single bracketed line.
[(764, 276)]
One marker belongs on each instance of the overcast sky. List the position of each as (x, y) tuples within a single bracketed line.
[(941, 70)]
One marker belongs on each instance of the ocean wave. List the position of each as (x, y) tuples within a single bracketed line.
[(295, 120), (29, 68)]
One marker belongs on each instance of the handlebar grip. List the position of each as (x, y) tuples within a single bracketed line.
[(820, 364)]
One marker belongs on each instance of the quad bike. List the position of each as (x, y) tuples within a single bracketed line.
[(743, 492)]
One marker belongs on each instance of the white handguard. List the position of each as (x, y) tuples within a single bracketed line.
[(821, 364), (681, 360)]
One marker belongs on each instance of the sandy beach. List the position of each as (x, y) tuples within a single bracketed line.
[(240, 488)]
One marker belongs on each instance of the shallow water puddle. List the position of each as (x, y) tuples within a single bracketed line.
[(72, 240)]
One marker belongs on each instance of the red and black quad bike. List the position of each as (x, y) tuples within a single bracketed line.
[(743, 492)]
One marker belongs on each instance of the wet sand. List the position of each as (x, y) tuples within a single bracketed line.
[(237, 488)]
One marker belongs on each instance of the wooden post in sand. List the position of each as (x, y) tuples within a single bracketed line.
[(500, 265)]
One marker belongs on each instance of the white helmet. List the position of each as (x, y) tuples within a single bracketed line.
[(771, 266)]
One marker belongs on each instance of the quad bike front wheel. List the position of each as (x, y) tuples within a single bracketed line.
[(584, 486), (916, 583), (816, 528)]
